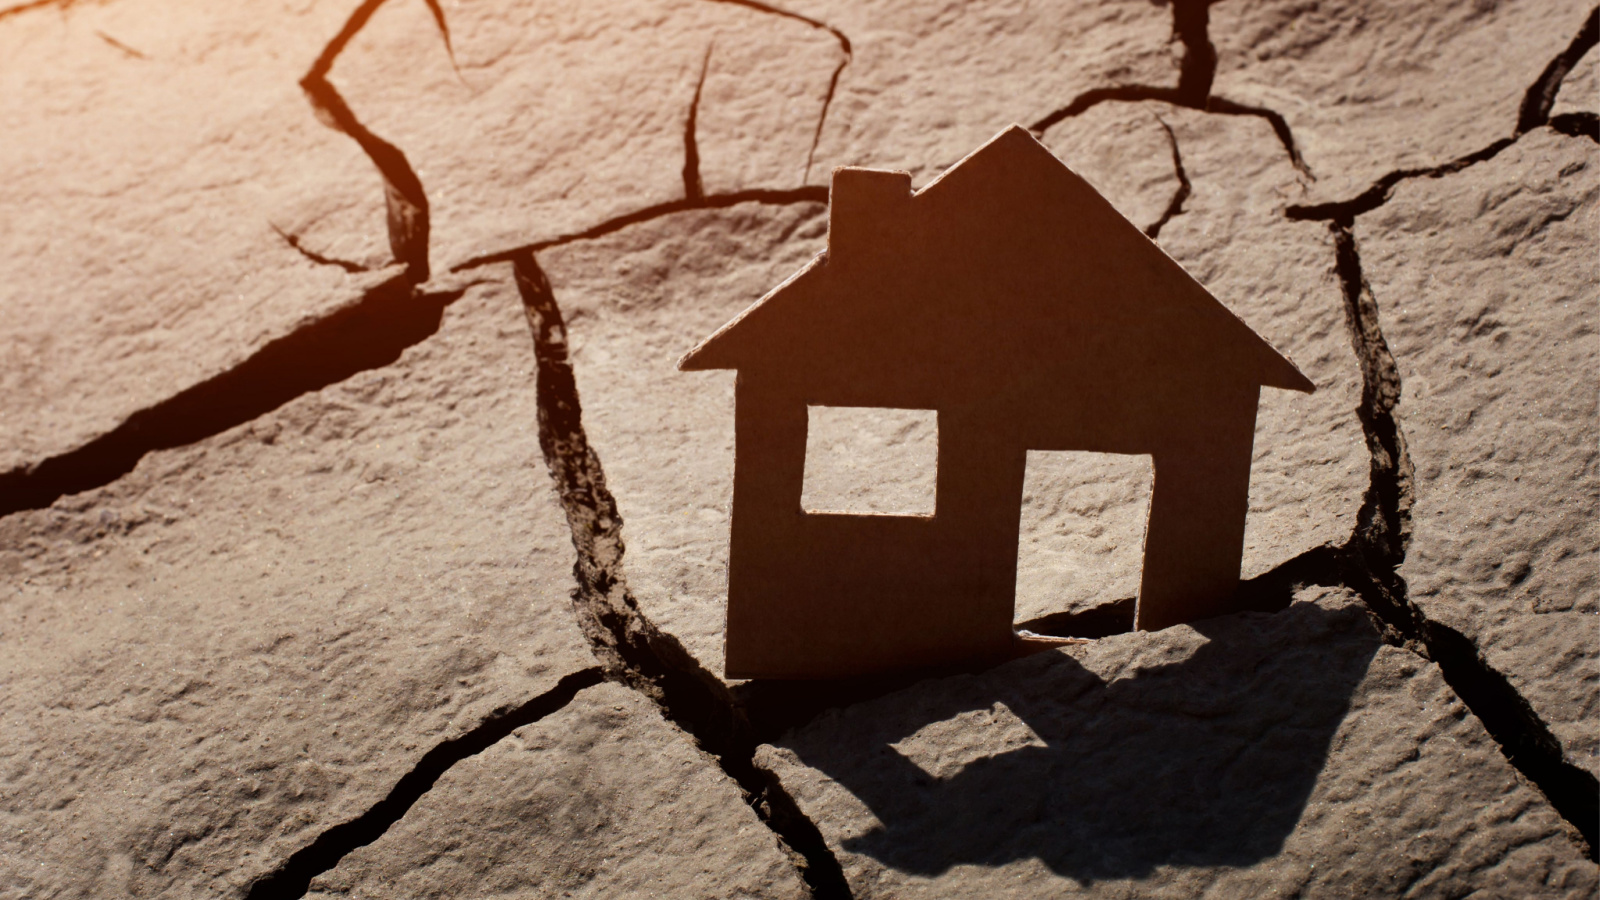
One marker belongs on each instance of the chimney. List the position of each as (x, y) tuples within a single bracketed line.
[(865, 206)]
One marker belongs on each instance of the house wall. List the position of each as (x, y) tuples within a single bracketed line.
[(1194, 541), (830, 595)]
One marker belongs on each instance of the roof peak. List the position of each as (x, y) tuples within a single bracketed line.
[(1009, 212)]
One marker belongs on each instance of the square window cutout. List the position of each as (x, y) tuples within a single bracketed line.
[(863, 459), (1082, 537)]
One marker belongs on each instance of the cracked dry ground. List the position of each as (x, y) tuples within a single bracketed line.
[(314, 579)]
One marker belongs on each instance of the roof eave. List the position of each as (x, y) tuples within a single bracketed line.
[(720, 350)]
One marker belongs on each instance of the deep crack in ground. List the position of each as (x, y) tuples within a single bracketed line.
[(632, 649), (1191, 22), (291, 879), (404, 199), (729, 724), (1534, 112), (1371, 562)]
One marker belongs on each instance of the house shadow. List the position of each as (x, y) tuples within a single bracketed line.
[(1207, 760)]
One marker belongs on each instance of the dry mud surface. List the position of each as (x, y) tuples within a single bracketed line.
[(358, 536)]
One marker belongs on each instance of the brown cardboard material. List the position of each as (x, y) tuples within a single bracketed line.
[(1011, 298)]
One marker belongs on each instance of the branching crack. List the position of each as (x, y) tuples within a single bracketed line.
[(1175, 205), (1534, 113), (293, 878), (330, 349), (833, 80), (1372, 558), (1191, 20), (730, 723), (404, 198), (631, 648)]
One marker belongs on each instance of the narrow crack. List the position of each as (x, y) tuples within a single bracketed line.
[(1371, 565), (1191, 21), (1541, 95), (833, 80), (316, 257), (367, 334), (730, 723), (1378, 193), (630, 647), (693, 188), (293, 877), (443, 25), (127, 51), (404, 198), (1175, 205), (61, 5), (1533, 113), (811, 193)]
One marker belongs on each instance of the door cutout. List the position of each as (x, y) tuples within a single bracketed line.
[(863, 459), (1081, 544)]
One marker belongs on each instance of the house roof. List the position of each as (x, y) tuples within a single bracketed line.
[(1007, 253)]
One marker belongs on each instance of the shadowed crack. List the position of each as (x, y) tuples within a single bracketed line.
[(693, 188), (1175, 205), (1533, 113), (1378, 547), (404, 198), (293, 878), (833, 80), (370, 333), (730, 723), (630, 647), (1578, 124), (1191, 20), (1541, 95)]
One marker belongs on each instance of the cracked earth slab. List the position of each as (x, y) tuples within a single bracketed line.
[(250, 640), (553, 120), (1372, 86), (141, 194), (1259, 755), (636, 301), (601, 799), (1486, 285)]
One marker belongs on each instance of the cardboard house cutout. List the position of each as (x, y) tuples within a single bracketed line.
[(1011, 298)]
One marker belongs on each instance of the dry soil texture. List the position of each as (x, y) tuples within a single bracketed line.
[(359, 536)]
